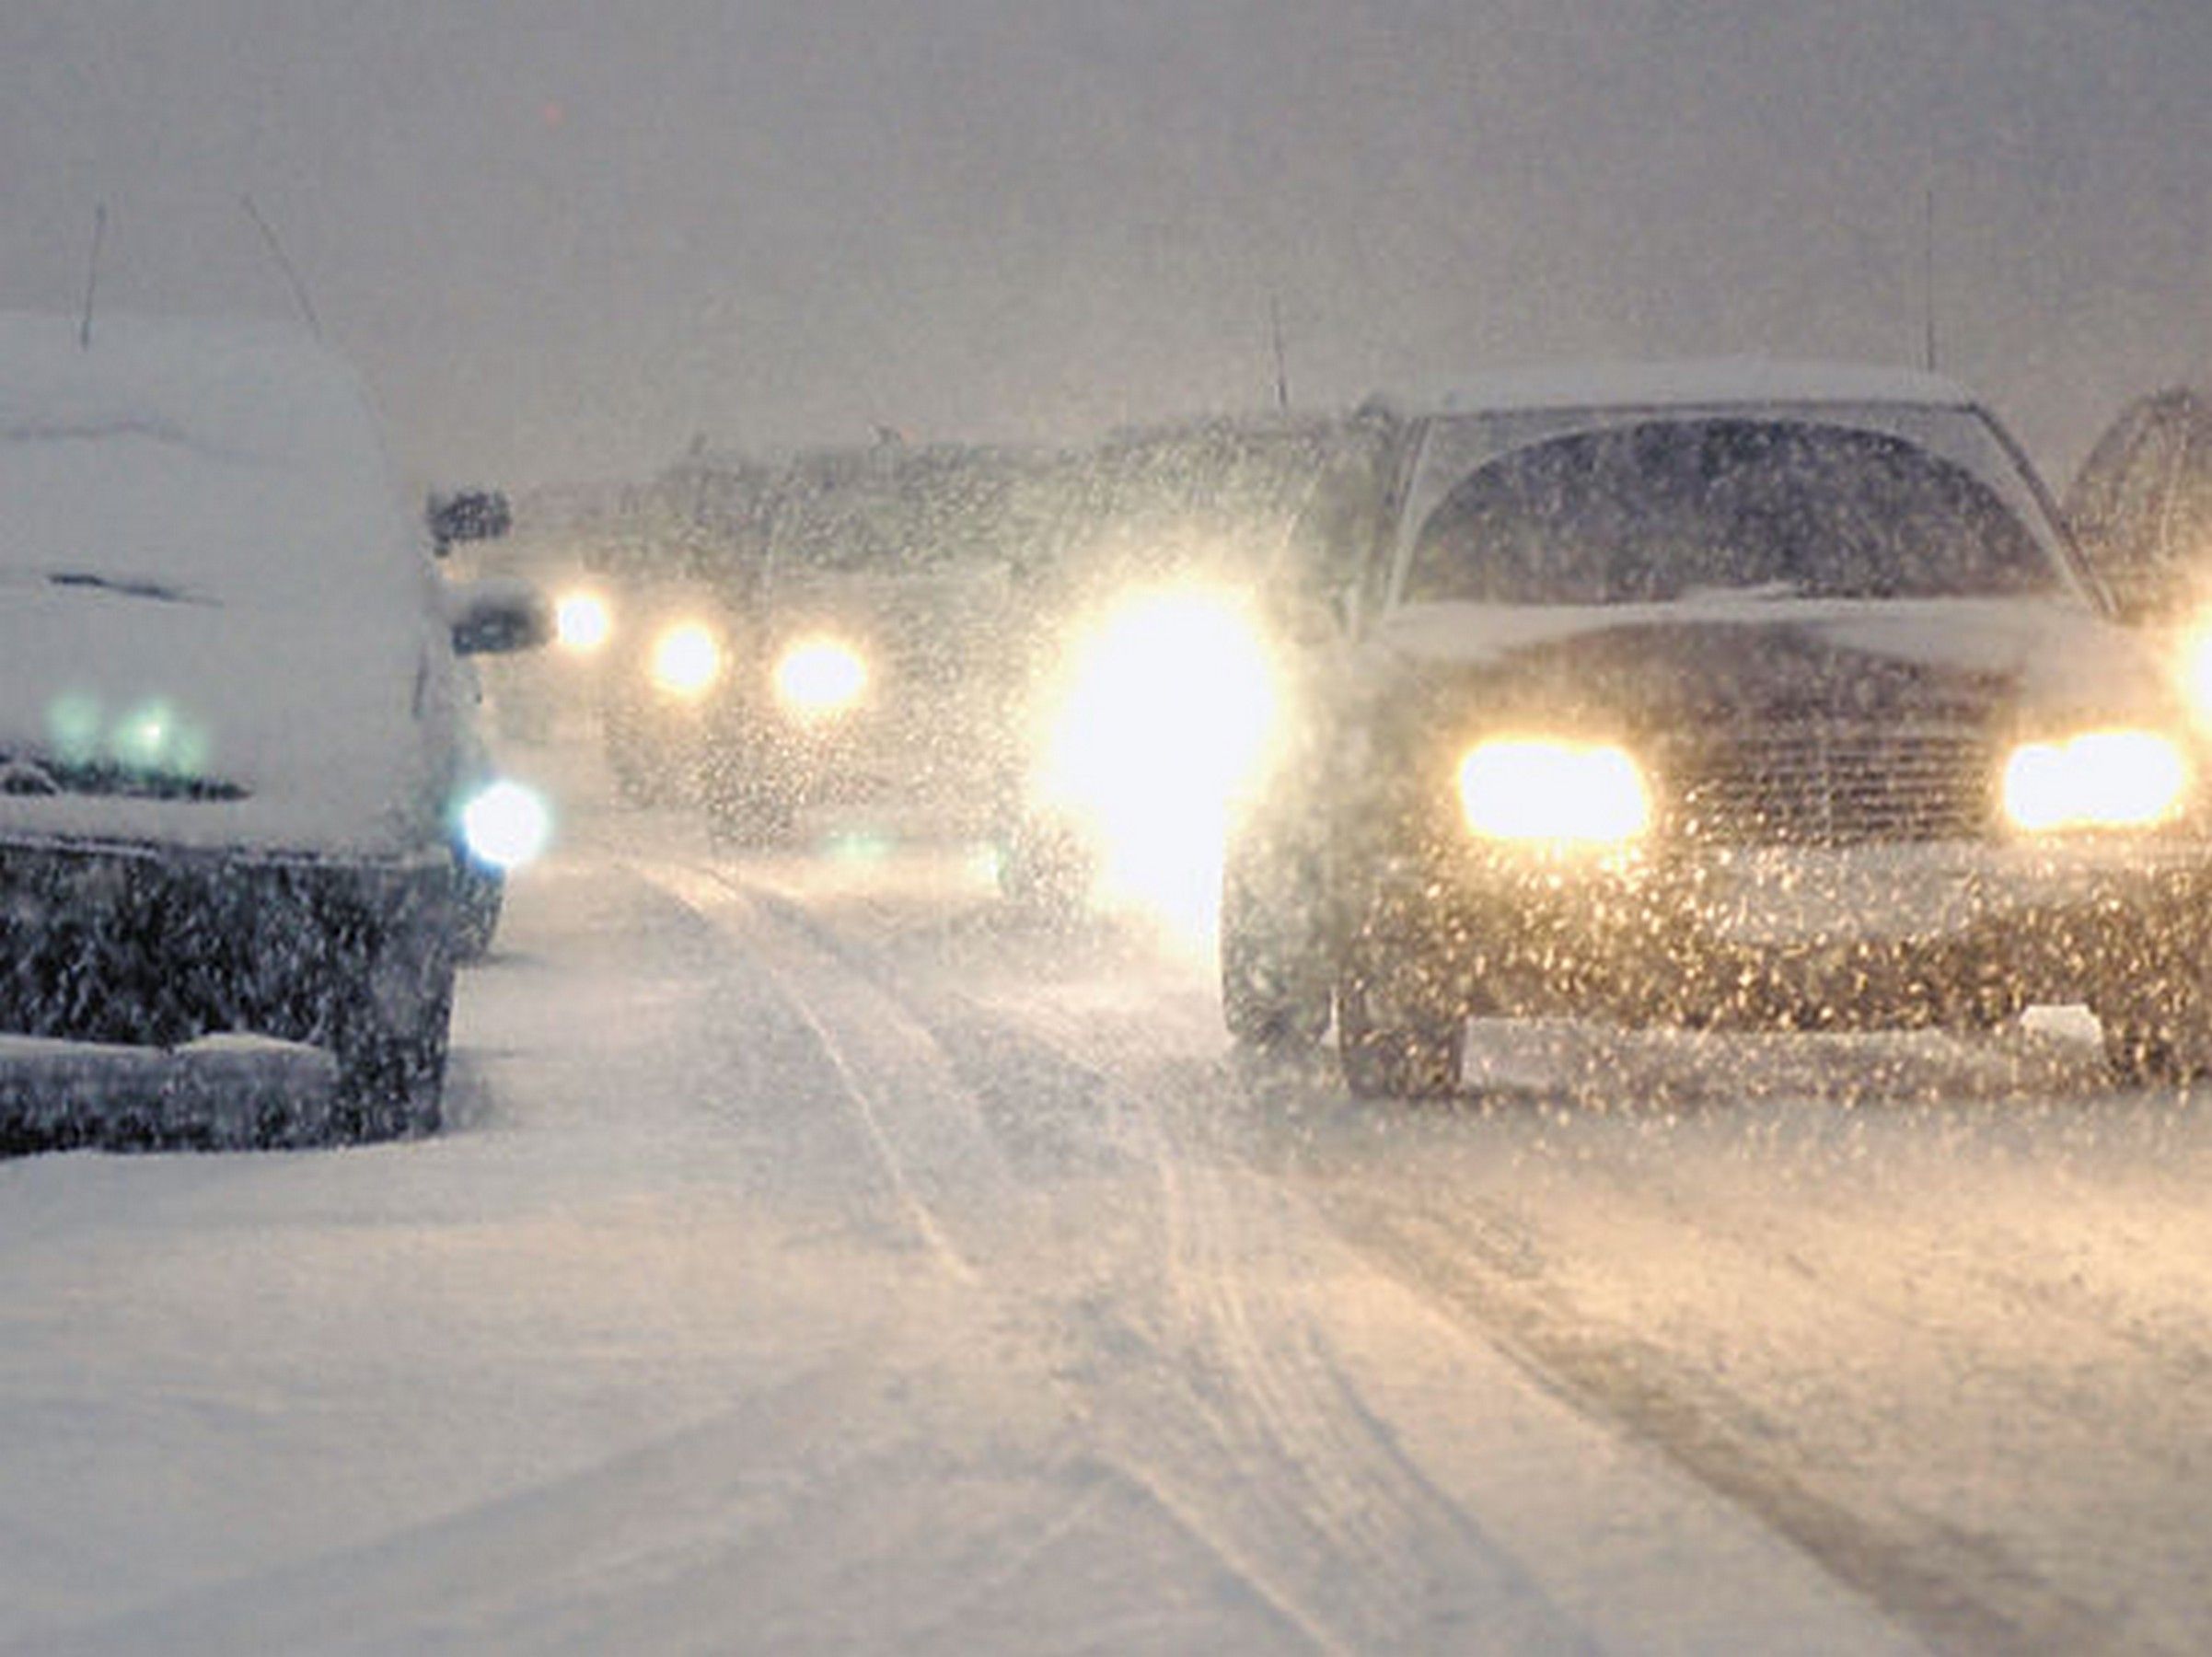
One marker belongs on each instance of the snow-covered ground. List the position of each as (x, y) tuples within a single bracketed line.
[(822, 1259)]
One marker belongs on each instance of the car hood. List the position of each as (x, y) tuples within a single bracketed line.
[(1750, 659)]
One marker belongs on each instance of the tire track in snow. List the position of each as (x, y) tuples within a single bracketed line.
[(1951, 1587), (919, 1120), (1259, 1440)]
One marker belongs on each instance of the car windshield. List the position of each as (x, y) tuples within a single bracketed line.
[(1665, 510)]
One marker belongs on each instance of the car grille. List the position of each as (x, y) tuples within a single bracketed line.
[(1831, 785)]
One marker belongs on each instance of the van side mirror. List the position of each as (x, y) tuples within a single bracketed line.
[(496, 615), (467, 514)]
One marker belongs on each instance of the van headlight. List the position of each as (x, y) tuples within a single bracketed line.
[(818, 678), (1539, 792), (686, 661), (2118, 778)]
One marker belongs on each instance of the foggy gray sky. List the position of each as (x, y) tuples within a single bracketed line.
[(560, 239)]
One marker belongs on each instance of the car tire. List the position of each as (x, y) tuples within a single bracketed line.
[(393, 1034), (1392, 1050), (1276, 989)]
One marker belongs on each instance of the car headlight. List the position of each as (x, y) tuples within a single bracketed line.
[(817, 678), (505, 824), (686, 661), (1539, 792), (2121, 779), (582, 622)]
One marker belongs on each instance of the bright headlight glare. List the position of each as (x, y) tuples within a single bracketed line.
[(1532, 791), (506, 824), (2099, 779), (817, 677), (1172, 695), (687, 660), (582, 622), (1162, 715)]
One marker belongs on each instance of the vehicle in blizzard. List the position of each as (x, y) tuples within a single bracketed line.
[(1741, 692), (666, 651), (870, 647), (1146, 629), (231, 736)]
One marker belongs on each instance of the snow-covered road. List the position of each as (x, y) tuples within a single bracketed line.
[(824, 1258)]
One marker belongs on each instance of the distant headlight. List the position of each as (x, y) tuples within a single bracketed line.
[(1570, 795), (505, 824), (687, 660), (818, 678), (2099, 779), (582, 622)]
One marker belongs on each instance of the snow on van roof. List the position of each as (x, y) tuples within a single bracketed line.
[(1716, 382), (198, 540), (248, 389)]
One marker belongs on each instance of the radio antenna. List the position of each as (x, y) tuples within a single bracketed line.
[(1927, 282), (276, 251), (1282, 358), (99, 231)]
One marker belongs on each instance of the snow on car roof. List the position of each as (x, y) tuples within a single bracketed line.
[(1698, 384)]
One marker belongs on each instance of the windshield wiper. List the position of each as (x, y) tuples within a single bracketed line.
[(129, 587)]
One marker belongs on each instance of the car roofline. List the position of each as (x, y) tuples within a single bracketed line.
[(1727, 382)]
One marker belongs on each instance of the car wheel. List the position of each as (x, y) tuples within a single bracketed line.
[(1274, 954), (1391, 1049), (392, 1039)]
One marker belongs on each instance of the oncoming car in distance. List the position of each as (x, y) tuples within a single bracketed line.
[(869, 642), (1737, 692), (232, 734), (666, 656)]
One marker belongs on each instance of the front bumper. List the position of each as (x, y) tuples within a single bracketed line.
[(1875, 935), (156, 947)]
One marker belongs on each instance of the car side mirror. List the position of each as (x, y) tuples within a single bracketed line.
[(496, 615)]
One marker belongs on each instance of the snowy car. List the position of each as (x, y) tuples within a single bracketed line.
[(1740, 692), (231, 733), (870, 653)]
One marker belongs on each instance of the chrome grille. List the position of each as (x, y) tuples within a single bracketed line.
[(1833, 784)]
